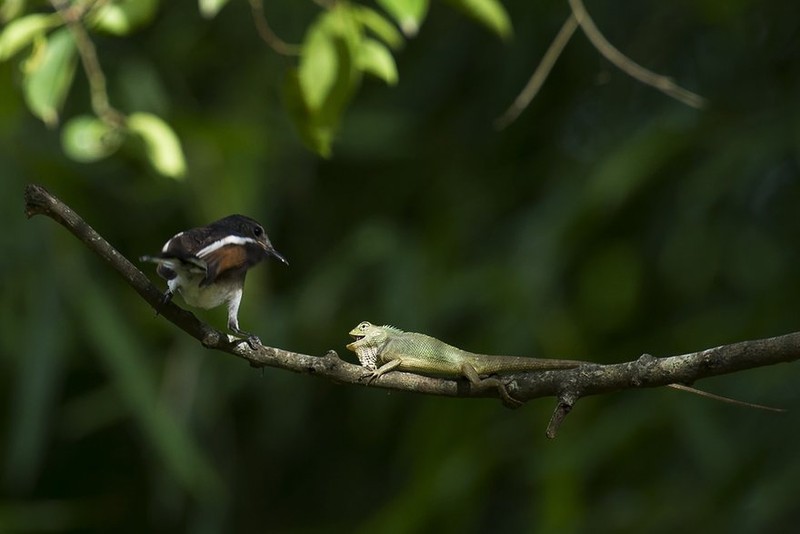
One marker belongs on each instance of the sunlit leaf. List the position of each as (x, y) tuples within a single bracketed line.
[(161, 144), (11, 9), (315, 136), (319, 91), (379, 25), (21, 32), (490, 13), (376, 59), (409, 14), (318, 65), (87, 138), (210, 8), (48, 76), (124, 16)]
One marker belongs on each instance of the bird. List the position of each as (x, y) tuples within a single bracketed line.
[(208, 265)]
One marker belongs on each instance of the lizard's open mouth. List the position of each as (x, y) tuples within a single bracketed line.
[(356, 339)]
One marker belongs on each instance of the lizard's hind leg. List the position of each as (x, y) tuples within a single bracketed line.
[(480, 383)]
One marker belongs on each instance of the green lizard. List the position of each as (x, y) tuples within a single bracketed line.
[(381, 349), (385, 348)]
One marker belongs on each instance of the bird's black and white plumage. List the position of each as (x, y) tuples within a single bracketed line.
[(208, 265)]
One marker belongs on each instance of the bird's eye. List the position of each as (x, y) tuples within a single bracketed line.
[(257, 231)]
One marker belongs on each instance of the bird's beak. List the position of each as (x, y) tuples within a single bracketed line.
[(274, 253)]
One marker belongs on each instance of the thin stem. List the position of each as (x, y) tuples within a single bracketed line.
[(627, 65), (265, 31), (91, 65), (539, 75)]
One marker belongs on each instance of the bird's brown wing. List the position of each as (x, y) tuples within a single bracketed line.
[(224, 260)]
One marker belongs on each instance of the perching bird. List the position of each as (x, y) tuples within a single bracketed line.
[(208, 265)]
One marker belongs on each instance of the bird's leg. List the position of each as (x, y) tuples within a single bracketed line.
[(165, 299), (233, 322), (251, 339)]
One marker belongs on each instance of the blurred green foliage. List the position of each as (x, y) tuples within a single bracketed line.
[(606, 222)]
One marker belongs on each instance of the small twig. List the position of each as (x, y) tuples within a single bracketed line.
[(627, 65), (580, 17), (267, 35), (564, 406), (91, 65), (539, 75)]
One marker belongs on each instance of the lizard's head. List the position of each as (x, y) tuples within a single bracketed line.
[(369, 341), (367, 338), (365, 333)]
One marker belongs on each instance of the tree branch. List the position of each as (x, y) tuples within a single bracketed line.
[(566, 385)]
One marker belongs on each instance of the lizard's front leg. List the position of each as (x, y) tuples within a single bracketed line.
[(472, 375), (382, 370)]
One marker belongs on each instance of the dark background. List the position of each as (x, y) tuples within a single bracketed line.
[(608, 221)]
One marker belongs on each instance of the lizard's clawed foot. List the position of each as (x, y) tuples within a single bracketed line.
[(508, 400), (369, 377)]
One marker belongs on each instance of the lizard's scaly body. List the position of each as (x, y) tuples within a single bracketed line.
[(384, 348)]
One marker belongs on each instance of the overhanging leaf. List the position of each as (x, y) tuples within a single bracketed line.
[(48, 76), (21, 32), (374, 58), (318, 65), (490, 13), (409, 14), (161, 144), (87, 138), (316, 136), (210, 8), (379, 25), (11, 9), (319, 91), (124, 16)]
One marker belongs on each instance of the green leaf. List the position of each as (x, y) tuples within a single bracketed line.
[(409, 14), (316, 136), (376, 59), (210, 8), (379, 25), (327, 76), (319, 64), (21, 32), (161, 144), (124, 16), (11, 9), (490, 13), (48, 76), (87, 139)]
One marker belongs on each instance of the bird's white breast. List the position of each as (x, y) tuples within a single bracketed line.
[(205, 297)]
